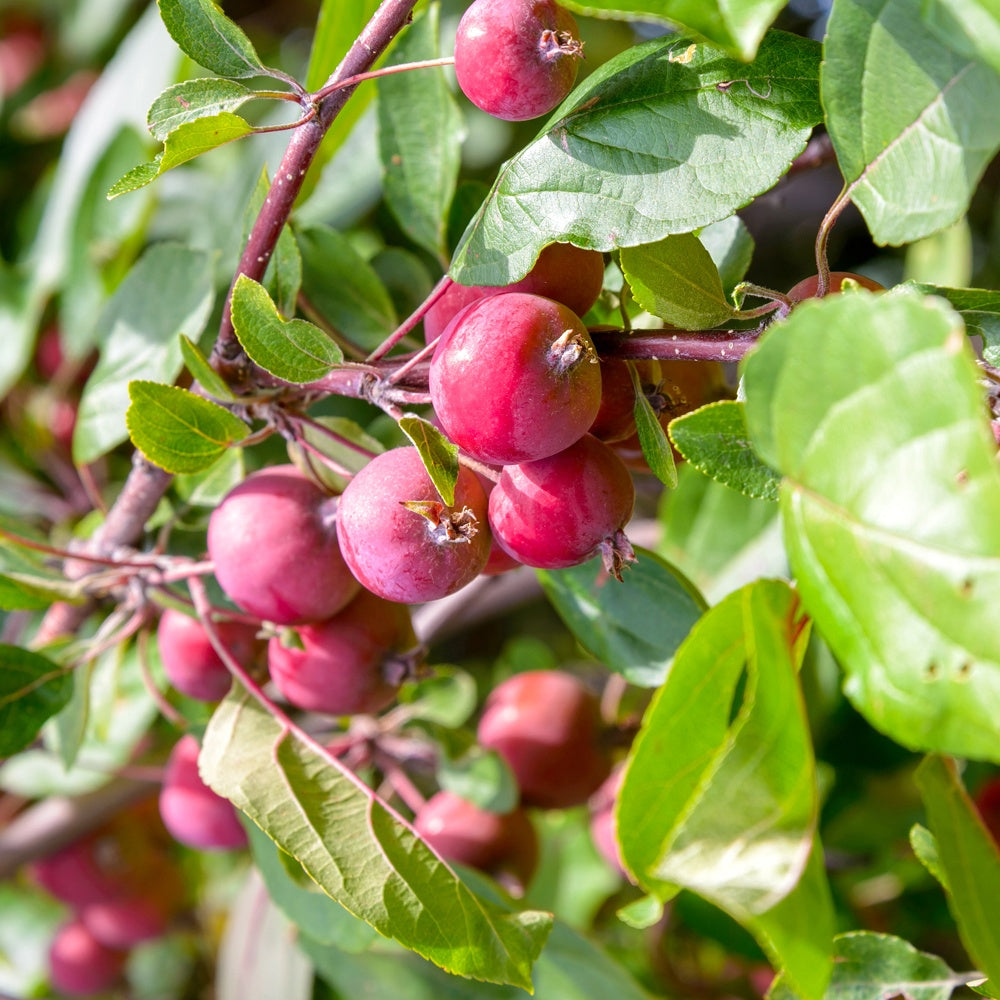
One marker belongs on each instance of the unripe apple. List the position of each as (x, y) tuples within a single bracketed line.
[(194, 814), (350, 663), (546, 725), (504, 845), (273, 541), (79, 965)]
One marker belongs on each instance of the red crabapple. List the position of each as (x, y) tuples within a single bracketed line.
[(562, 510), (190, 661), (615, 419), (546, 725), (564, 272), (191, 811), (79, 965), (351, 663), (503, 845), (75, 875), (515, 377), (516, 59), (125, 921), (806, 288), (400, 540), (987, 800), (273, 541), (602, 820)]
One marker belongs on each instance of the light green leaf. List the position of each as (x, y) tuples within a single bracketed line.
[(925, 847), (210, 38), (634, 626), (447, 698), (169, 291), (870, 966), (719, 794), (971, 27), (868, 405), (177, 430), (968, 854), (677, 280), (736, 26), (338, 23), (647, 146), (32, 689), (652, 437), (439, 455), (481, 777), (198, 365), (913, 123), (190, 100), (713, 438), (185, 143), (420, 132), (293, 350), (359, 851), (979, 308)]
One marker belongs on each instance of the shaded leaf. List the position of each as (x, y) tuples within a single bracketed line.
[(293, 350), (979, 308), (713, 438), (731, 247), (439, 455), (652, 437), (210, 38), (32, 690), (177, 430), (868, 405), (359, 851), (967, 26), (633, 626), (647, 146), (911, 153)]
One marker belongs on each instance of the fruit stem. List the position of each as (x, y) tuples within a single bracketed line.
[(411, 321), (374, 74), (823, 238)]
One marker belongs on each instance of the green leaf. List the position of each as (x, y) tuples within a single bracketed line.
[(731, 246), (293, 350), (420, 132), (971, 27), (481, 777), (338, 23), (193, 99), (185, 143), (891, 507), (177, 430), (677, 280), (647, 146), (210, 38), (652, 437), (447, 698), (198, 365), (911, 152), (439, 455), (719, 794), (327, 819), (870, 966), (169, 291), (736, 27), (925, 847), (344, 288), (979, 308), (713, 438), (634, 626), (969, 856), (32, 689)]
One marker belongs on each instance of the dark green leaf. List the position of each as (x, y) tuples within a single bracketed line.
[(192, 99), (911, 153), (326, 818), (677, 280), (185, 143), (439, 455), (293, 350), (968, 854), (647, 146), (652, 437), (634, 626), (980, 308), (210, 38), (168, 292), (177, 430), (714, 440), (868, 405), (420, 129), (32, 689)]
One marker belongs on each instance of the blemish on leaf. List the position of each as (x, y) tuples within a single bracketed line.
[(931, 670), (683, 57)]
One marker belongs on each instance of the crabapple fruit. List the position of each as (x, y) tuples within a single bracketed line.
[(546, 725), (400, 540), (514, 378), (125, 921), (190, 661), (504, 845), (79, 965), (602, 820), (562, 510), (615, 419), (564, 272), (349, 664), (191, 811), (75, 875), (516, 59), (273, 541), (987, 800), (807, 287)]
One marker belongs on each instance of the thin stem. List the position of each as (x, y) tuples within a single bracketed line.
[(822, 240), (353, 81), (307, 117), (411, 321), (166, 709)]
